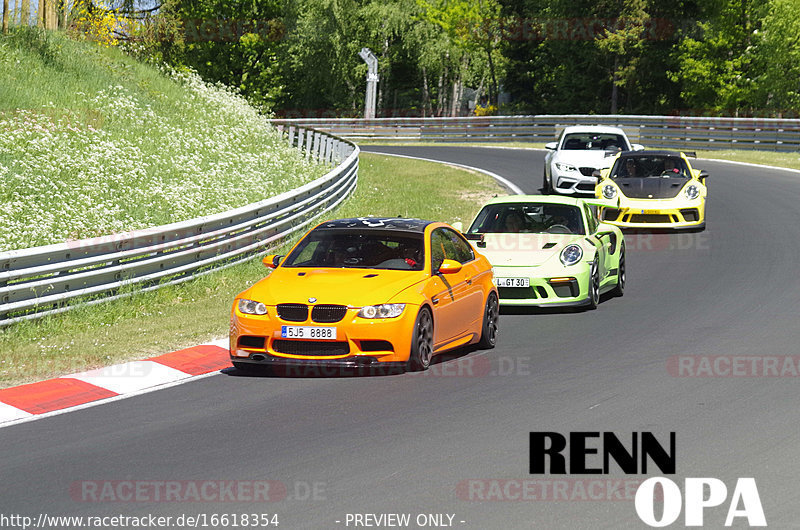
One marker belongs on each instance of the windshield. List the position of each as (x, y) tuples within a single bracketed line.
[(594, 141), (368, 249), (529, 218), (642, 166)]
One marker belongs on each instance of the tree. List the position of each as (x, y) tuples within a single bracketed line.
[(776, 51), (5, 17), (624, 41), (25, 15), (472, 26), (717, 69)]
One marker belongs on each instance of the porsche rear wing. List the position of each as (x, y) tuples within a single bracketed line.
[(604, 203)]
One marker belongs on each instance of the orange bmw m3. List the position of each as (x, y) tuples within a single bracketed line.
[(365, 293)]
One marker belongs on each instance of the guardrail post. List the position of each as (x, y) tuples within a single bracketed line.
[(291, 136), (328, 149)]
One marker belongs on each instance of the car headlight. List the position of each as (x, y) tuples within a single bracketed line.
[(571, 255), (382, 311), (692, 192), (565, 167), (609, 191), (251, 307)]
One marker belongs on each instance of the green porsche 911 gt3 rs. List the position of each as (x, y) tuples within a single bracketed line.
[(549, 250)]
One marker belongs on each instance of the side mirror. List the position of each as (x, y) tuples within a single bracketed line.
[(703, 175), (272, 261), (458, 225), (551, 146), (637, 147), (449, 266)]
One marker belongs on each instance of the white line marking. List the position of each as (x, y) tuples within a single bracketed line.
[(130, 377), (507, 183), (9, 413), (751, 164)]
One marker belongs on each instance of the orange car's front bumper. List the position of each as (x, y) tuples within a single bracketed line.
[(359, 341)]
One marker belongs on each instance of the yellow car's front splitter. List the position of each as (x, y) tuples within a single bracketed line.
[(645, 214)]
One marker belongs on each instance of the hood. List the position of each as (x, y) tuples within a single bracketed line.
[(593, 158), (525, 250), (353, 287), (651, 187)]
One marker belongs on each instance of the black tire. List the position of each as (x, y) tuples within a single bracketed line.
[(421, 342), (546, 189), (619, 290), (594, 286), (491, 316)]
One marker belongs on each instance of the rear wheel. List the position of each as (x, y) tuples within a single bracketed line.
[(490, 318), (421, 342), (619, 290)]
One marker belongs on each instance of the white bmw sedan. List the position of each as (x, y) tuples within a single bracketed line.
[(579, 152)]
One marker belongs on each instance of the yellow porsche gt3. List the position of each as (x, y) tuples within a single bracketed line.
[(653, 189), (365, 293)]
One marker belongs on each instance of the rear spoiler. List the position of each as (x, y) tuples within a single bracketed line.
[(690, 154), (605, 203)]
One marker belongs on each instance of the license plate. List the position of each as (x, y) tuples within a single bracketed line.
[(307, 332), (651, 212), (513, 282)]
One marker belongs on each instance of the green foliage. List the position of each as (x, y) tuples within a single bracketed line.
[(474, 29), (777, 56), (300, 57), (93, 142)]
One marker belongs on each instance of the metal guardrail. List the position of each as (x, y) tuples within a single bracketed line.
[(43, 280), (673, 132)]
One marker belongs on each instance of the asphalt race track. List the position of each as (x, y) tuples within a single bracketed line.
[(411, 443)]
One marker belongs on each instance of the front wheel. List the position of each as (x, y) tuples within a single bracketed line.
[(546, 189), (421, 342), (619, 290), (490, 318)]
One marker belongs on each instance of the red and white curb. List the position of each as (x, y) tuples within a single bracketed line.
[(70, 392)]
